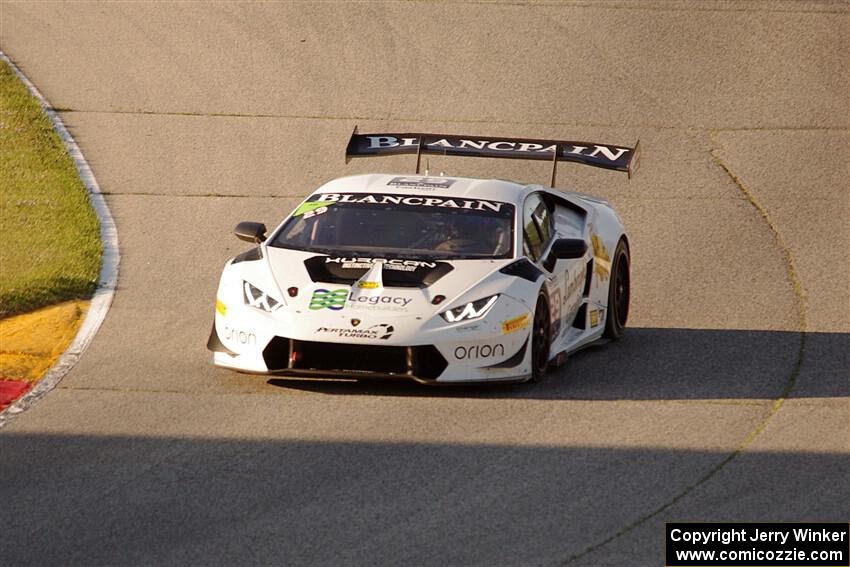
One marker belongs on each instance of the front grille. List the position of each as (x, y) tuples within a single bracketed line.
[(423, 362)]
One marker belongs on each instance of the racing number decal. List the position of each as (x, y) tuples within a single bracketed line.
[(315, 212)]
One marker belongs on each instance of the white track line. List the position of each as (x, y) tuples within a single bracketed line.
[(108, 271)]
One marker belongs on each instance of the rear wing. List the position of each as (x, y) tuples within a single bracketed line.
[(607, 156)]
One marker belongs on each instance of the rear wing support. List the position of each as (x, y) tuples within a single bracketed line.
[(606, 156)]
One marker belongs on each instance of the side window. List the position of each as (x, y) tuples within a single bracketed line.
[(532, 239), (537, 226), (544, 222)]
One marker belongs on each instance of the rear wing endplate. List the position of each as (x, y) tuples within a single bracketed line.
[(607, 156)]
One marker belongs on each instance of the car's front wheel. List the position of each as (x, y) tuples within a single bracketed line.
[(540, 340), (618, 293)]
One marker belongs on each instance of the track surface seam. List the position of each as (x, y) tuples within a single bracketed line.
[(488, 121), (484, 397), (639, 7), (802, 311)]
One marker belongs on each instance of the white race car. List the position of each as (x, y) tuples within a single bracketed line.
[(435, 279)]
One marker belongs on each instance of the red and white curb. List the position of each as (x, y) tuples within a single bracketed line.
[(107, 282)]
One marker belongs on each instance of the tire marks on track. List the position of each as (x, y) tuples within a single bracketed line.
[(802, 313)]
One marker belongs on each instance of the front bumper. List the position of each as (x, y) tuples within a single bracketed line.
[(463, 353)]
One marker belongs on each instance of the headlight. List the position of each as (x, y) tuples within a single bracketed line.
[(472, 310), (255, 297)]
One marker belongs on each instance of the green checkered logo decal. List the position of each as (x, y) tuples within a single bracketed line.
[(327, 299)]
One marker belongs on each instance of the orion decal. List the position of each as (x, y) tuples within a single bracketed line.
[(478, 352), (240, 336)]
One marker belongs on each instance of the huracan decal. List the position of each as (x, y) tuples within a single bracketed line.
[(326, 299), (381, 199), (389, 264)]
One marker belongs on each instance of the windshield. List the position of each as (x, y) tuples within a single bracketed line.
[(400, 226)]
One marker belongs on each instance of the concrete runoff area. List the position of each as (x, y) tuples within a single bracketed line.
[(726, 401)]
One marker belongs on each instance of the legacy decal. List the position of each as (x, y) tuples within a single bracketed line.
[(337, 299), (379, 300)]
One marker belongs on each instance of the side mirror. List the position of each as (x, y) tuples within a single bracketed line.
[(250, 231), (569, 248)]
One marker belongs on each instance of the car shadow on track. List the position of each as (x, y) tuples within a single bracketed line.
[(657, 364)]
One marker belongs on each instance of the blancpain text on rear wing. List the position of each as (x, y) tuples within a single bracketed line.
[(607, 156)]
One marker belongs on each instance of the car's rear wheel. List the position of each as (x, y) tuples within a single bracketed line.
[(618, 293), (540, 340)]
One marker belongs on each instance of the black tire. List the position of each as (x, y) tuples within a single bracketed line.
[(540, 335), (618, 293)]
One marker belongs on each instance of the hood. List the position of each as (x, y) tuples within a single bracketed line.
[(327, 284)]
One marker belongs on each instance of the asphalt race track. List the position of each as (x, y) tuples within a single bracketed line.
[(727, 400)]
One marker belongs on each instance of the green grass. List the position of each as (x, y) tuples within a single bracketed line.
[(49, 235)]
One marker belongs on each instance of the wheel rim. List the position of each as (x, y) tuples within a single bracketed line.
[(540, 339), (621, 290)]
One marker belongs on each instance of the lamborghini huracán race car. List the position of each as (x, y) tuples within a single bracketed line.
[(436, 279)]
